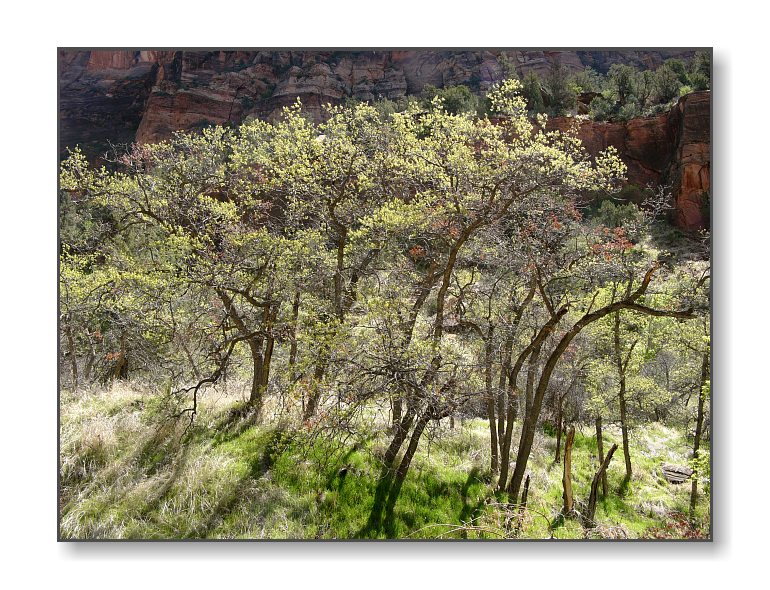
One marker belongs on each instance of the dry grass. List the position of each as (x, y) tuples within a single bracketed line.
[(128, 471)]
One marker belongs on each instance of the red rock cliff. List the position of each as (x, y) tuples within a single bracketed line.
[(672, 148), (126, 96)]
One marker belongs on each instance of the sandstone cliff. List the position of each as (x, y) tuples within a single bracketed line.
[(126, 96), (673, 148)]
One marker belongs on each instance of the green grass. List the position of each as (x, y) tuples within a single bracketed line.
[(128, 473)]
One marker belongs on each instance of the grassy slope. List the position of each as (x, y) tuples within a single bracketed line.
[(126, 475)]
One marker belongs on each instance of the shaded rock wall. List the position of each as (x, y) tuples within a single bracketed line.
[(673, 148)]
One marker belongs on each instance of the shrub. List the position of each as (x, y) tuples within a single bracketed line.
[(629, 110), (700, 71), (677, 66), (613, 214), (456, 99), (700, 81), (601, 108), (621, 82), (589, 80)]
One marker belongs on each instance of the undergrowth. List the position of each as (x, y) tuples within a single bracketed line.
[(130, 472)]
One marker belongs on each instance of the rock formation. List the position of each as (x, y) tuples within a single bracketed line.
[(124, 96), (672, 148)]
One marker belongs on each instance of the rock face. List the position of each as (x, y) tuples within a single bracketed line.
[(690, 171), (124, 96), (673, 149)]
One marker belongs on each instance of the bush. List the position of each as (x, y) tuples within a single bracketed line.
[(629, 110), (589, 80), (700, 81), (616, 215), (621, 82), (601, 108), (677, 66), (456, 99), (700, 71)]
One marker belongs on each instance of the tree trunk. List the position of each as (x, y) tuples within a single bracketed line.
[(269, 319), (513, 396), (90, 357), (414, 441), (525, 448), (504, 406), (399, 436), (528, 429), (403, 467), (255, 343), (559, 428), (318, 374), (72, 351), (397, 411), (531, 375), (505, 366), (266, 362), (491, 401), (255, 396), (566, 479), (524, 494), (600, 449), (315, 389), (622, 396), (438, 323), (624, 427), (704, 375), (338, 307), (601, 474), (510, 418), (293, 337)]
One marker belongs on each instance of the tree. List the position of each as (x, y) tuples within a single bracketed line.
[(588, 80), (680, 69), (454, 99), (700, 71), (331, 177), (408, 265), (666, 84), (532, 93), (631, 301), (473, 178), (211, 232), (622, 80), (561, 93)]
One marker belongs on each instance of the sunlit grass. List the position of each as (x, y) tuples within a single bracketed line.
[(128, 472)]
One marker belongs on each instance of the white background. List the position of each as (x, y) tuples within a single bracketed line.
[(31, 32)]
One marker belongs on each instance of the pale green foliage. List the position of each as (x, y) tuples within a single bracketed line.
[(354, 262)]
